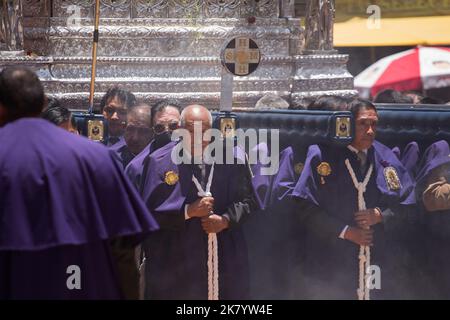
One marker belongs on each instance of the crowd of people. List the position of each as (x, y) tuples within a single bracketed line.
[(80, 220), (388, 96)]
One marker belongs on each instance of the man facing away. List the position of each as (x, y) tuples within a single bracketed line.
[(63, 200)]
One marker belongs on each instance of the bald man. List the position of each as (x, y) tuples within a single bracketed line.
[(138, 134), (192, 200)]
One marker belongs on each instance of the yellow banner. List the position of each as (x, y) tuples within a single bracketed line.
[(347, 9)]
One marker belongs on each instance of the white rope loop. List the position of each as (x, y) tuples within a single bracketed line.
[(364, 251), (213, 256)]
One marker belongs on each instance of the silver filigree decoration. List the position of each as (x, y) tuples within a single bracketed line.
[(150, 8), (222, 8)]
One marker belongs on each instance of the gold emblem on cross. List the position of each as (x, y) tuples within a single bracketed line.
[(241, 56)]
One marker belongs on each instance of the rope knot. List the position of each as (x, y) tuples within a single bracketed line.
[(362, 187)]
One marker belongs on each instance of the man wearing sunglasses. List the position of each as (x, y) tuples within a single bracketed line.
[(114, 106), (166, 118)]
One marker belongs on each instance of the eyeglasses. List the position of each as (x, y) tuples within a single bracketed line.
[(161, 127), (110, 110)]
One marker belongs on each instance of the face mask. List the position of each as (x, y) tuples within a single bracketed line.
[(162, 139)]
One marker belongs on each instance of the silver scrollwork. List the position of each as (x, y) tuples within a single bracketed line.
[(319, 25), (11, 25)]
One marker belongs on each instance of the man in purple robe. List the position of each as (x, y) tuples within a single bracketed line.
[(349, 197), (63, 200), (165, 119), (433, 194), (192, 201), (433, 179), (138, 134)]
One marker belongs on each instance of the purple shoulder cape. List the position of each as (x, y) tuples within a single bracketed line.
[(61, 189)]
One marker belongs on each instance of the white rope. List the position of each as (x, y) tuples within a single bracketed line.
[(213, 256), (364, 251)]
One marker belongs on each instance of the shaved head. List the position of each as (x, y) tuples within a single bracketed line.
[(195, 112), (196, 116)]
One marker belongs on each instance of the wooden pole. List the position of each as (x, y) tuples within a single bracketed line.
[(94, 56)]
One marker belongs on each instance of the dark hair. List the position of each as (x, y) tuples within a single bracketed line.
[(57, 115), (52, 103), (358, 104), (334, 103), (163, 104), (21, 92), (297, 106), (124, 96), (431, 100), (391, 96)]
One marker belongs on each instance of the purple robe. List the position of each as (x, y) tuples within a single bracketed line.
[(257, 229), (330, 264), (112, 140), (435, 233), (410, 157), (178, 251), (396, 151), (145, 185), (434, 156), (122, 152), (63, 198), (261, 183), (284, 182), (135, 168), (273, 235)]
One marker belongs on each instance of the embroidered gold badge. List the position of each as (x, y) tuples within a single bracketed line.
[(171, 178), (324, 170), (391, 177)]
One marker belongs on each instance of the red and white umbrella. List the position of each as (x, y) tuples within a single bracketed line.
[(421, 68)]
